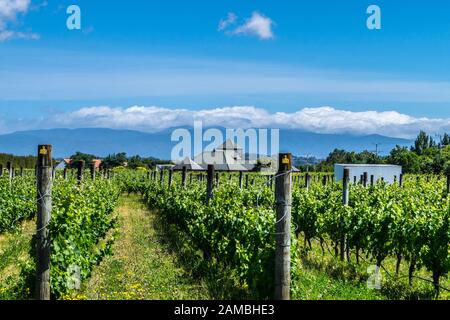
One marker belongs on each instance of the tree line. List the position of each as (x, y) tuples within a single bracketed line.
[(27, 162), (425, 156), (117, 160)]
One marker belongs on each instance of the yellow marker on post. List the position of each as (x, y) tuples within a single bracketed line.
[(43, 151)]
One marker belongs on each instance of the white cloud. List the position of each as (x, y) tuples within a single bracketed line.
[(225, 23), (9, 11), (10, 8), (9, 35), (38, 6), (257, 25), (319, 120)]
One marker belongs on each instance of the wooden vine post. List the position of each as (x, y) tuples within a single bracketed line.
[(183, 176), (44, 209), (283, 196), (80, 171), (161, 176), (345, 198), (10, 174), (448, 183), (308, 182), (169, 183), (240, 179), (209, 183), (92, 169)]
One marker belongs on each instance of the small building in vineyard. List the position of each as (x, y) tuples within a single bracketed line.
[(388, 173)]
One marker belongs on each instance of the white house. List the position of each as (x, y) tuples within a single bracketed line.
[(226, 157)]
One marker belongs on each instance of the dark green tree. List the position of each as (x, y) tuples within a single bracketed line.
[(409, 160), (422, 143), (135, 162), (78, 156), (445, 141), (115, 160)]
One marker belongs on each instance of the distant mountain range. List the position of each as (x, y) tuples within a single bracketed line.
[(102, 142)]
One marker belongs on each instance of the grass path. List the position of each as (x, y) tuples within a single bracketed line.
[(141, 267), (14, 251)]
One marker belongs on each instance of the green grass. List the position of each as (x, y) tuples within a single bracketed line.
[(14, 257), (317, 285)]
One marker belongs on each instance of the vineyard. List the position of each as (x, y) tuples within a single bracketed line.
[(404, 227), (402, 230)]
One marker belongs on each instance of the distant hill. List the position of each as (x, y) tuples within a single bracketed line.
[(320, 145), (102, 142)]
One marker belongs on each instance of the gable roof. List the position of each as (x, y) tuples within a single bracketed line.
[(189, 164), (66, 162)]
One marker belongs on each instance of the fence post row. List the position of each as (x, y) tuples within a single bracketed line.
[(283, 196), (44, 208)]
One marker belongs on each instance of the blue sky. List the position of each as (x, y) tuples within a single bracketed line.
[(286, 59)]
